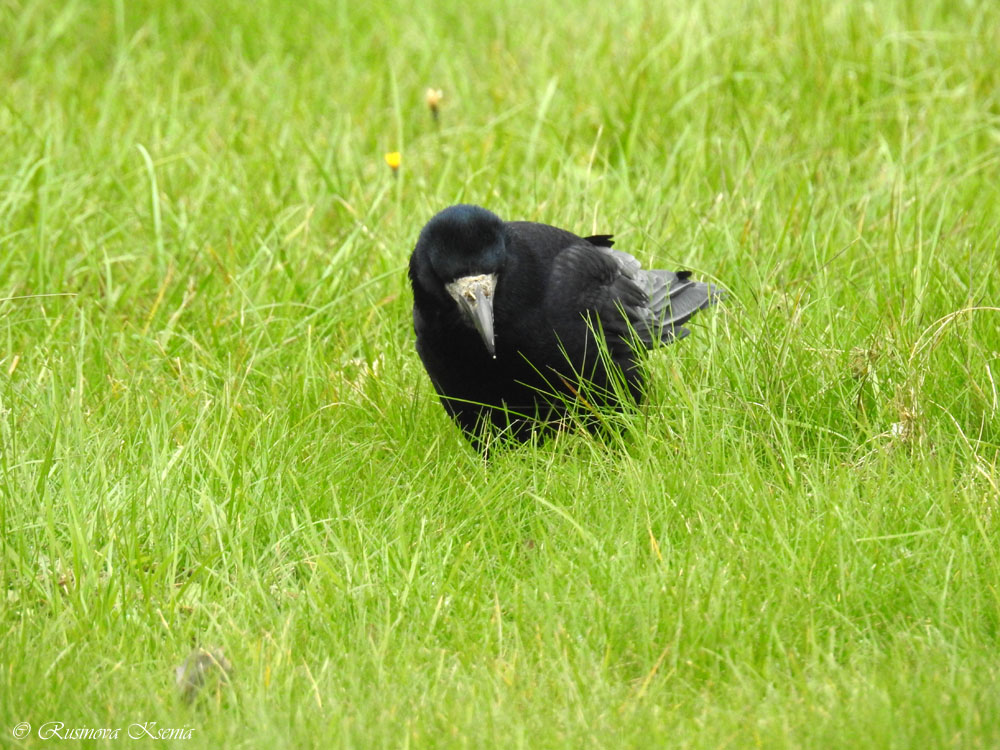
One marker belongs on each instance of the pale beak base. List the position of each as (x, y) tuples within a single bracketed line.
[(474, 295)]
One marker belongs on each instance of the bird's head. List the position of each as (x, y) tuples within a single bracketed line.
[(459, 256)]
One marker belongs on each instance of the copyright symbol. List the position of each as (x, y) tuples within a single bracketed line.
[(21, 730)]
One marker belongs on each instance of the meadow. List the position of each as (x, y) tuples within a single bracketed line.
[(215, 432)]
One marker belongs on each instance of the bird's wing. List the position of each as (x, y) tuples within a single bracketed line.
[(651, 305)]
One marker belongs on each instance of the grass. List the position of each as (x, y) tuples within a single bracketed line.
[(214, 429)]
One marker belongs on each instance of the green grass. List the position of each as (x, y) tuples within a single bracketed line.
[(214, 429)]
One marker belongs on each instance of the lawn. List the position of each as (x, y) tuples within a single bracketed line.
[(215, 431)]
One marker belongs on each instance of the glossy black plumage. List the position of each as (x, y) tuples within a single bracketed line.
[(552, 295)]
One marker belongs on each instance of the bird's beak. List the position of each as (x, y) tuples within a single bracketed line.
[(474, 295)]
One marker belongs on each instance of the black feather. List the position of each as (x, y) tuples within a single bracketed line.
[(558, 298)]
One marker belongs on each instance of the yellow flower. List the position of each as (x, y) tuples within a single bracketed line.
[(393, 159)]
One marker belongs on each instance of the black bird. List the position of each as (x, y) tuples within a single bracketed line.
[(518, 321)]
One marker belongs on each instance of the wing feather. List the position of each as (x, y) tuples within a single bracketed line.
[(653, 304)]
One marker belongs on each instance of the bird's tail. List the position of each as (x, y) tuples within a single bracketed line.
[(674, 298)]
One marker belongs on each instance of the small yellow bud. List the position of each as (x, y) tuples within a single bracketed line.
[(393, 159), (433, 98)]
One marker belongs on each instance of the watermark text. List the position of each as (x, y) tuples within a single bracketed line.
[(139, 730)]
